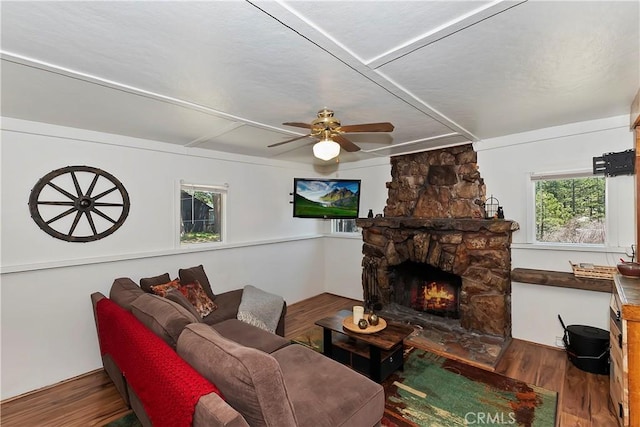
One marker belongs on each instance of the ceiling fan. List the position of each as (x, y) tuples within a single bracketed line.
[(329, 131)]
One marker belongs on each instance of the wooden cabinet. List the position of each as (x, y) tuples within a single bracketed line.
[(624, 377)]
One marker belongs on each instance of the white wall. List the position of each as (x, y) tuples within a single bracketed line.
[(506, 164), (258, 196), (343, 254), (48, 334)]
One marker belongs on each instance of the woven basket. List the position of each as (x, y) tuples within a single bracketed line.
[(593, 271)]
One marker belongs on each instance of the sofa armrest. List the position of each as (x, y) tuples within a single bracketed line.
[(280, 327), (95, 297), (110, 367), (212, 411)]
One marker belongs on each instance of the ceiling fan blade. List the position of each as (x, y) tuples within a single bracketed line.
[(345, 143), (287, 141), (368, 127), (298, 124)]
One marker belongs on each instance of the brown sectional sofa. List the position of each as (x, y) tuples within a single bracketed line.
[(227, 302), (264, 379)]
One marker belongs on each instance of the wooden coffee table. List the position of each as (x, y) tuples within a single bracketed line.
[(376, 355)]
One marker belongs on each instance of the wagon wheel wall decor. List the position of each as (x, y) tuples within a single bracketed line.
[(79, 203)]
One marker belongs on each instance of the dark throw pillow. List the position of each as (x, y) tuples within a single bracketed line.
[(197, 274), (147, 282)]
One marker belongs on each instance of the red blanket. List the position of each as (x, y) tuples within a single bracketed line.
[(168, 387)]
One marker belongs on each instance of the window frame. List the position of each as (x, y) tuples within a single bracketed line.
[(221, 189), (334, 226), (531, 208)]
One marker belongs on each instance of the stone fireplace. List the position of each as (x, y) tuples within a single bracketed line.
[(457, 262)]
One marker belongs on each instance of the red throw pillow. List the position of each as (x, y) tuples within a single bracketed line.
[(162, 290), (198, 297)]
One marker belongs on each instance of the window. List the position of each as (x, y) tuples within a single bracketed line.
[(201, 213), (344, 226), (570, 209)]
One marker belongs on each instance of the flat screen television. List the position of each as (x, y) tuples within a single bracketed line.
[(326, 198)]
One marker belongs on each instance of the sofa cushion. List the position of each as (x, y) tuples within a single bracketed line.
[(124, 291), (228, 303), (250, 336), (177, 297), (198, 297), (147, 282), (192, 274), (165, 318), (250, 380), (347, 398)]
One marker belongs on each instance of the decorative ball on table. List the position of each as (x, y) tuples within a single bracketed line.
[(373, 319)]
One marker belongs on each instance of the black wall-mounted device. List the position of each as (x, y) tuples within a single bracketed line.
[(613, 164)]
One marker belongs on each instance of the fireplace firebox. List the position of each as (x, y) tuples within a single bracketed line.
[(427, 289)]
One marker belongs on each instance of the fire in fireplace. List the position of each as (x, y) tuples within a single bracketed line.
[(436, 297), (425, 288)]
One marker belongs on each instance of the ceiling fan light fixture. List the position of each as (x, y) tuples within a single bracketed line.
[(326, 149), (329, 130)]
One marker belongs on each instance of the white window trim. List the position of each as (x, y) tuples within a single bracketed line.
[(219, 188), (532, 177), (568, 174), (332, 230)]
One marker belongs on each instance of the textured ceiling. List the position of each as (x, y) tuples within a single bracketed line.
[(224, 75)]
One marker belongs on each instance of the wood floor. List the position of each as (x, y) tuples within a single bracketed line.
[(91, 400)]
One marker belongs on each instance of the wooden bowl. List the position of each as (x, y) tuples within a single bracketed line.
[(629, 269), (347, 323)]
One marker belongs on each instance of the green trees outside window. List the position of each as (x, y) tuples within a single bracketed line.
[(570, 210)]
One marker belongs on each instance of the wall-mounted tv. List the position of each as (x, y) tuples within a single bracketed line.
[(326, 198)]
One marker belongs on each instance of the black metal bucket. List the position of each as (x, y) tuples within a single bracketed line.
[(587, 347)]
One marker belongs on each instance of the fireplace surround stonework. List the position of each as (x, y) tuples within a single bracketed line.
[(435, 216)]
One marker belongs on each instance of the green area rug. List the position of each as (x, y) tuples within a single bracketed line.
[(129, 420), (436, 391)]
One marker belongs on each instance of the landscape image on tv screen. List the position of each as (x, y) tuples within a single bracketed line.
[(326, 198)]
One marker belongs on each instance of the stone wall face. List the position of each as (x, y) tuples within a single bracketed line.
[(434, 215), (442, 183), (476, 250)]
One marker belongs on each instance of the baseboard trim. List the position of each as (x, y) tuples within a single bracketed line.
[(45, 388)]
